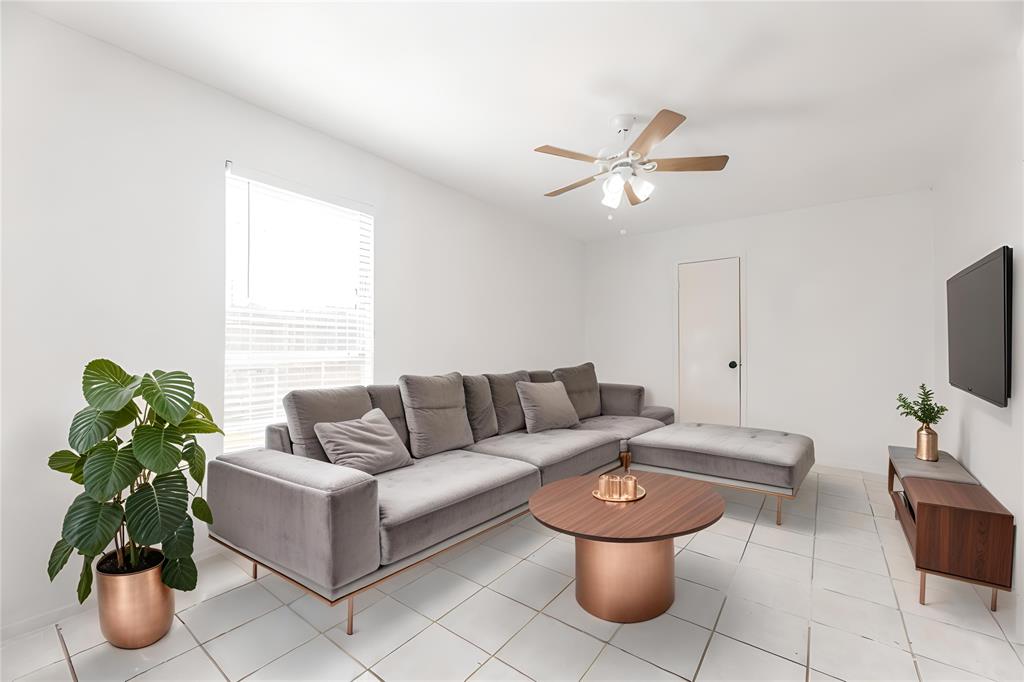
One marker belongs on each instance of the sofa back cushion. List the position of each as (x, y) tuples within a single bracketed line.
[(305, 408), (507, 408), (435, 411), (389, 399), (546, 406), (480, 407), (540, 376), (370, 444), (581, 385)]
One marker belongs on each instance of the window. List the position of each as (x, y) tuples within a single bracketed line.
[(299, 302)]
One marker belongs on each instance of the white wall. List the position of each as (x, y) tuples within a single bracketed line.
[(113, 221), (838, 317), (978, 207)]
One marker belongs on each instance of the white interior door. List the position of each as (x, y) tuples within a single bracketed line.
[(709, 342)]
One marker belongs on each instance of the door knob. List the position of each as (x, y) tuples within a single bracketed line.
[(732, 364)]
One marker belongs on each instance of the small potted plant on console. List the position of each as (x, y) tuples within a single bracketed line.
[(130, 448), (927, 412)]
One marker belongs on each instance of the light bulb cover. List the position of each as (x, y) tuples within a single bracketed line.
[(642, 188), (613, 188)]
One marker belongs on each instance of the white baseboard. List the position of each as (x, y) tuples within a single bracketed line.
[(41, 620)]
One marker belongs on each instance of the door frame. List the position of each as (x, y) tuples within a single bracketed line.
[(742, 258)]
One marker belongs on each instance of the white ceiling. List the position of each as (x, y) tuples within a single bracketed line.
[(814, 102)]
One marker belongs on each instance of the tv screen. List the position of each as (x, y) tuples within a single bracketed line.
[(978, 312)]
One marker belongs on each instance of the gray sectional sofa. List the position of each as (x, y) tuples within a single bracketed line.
[(335, 530)]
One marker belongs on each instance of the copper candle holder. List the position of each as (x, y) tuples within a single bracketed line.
[(612, 488)]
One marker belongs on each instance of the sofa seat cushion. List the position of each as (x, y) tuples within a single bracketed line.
[(558, 453), (775, 458), (623, 427), (445, 494)]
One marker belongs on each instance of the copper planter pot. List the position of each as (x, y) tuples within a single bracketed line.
[(927, 444), (136, 609)]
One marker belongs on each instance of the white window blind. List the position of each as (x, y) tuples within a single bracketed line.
[(299, 302)]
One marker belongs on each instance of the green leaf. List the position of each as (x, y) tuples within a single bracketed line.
[(198, 425), (89, 427), (201, 510), (58, 558), (63, 461), (89, 525), (78, 475), (202, 410), (170, 393), (108, 471), (107, 387), (180, 573), (126, 415), (158, 449), (180, 543), (85, 579), (196, 458), (155, 510)]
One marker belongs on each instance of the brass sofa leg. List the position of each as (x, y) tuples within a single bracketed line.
[(625, 458), (255, 575), (351, 615), (778, 510)]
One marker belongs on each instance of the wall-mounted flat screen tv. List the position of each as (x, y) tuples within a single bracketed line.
[(978, 310)]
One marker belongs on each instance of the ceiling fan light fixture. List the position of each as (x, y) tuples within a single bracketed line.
[(613, 188), (642, 188)]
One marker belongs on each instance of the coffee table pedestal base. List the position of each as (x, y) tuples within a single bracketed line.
[(625, 582)]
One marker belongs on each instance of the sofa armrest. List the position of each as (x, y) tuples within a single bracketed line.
[(313, 519), (662, 414), (621, 399), (276, 437)]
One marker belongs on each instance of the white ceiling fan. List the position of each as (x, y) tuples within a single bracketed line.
[(625, 169)]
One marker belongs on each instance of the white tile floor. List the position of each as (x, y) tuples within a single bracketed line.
[(834, 589)]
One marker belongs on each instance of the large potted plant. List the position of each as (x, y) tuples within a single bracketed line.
[(926, 411), (130, 448)]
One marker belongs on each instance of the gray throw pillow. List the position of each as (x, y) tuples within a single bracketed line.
[(370, 444), (581, 385), (479, 407), (506, 400), (435, 412), (546, 406), (305, 408)]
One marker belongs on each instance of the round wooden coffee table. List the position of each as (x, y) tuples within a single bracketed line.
[(624, 550)]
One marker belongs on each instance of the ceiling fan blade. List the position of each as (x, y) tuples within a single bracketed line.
[(691, 163), (660, 127), (631, 195), (575, 185), (558, 151)]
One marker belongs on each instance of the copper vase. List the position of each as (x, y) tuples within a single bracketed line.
[(136, 609), (927, 444)]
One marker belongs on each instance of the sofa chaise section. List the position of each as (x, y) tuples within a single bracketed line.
[(772, 462)]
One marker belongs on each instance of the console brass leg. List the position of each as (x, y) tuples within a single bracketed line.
[(995, 596), (351, 615), (778, 511), (920, 597), (625, 458)]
